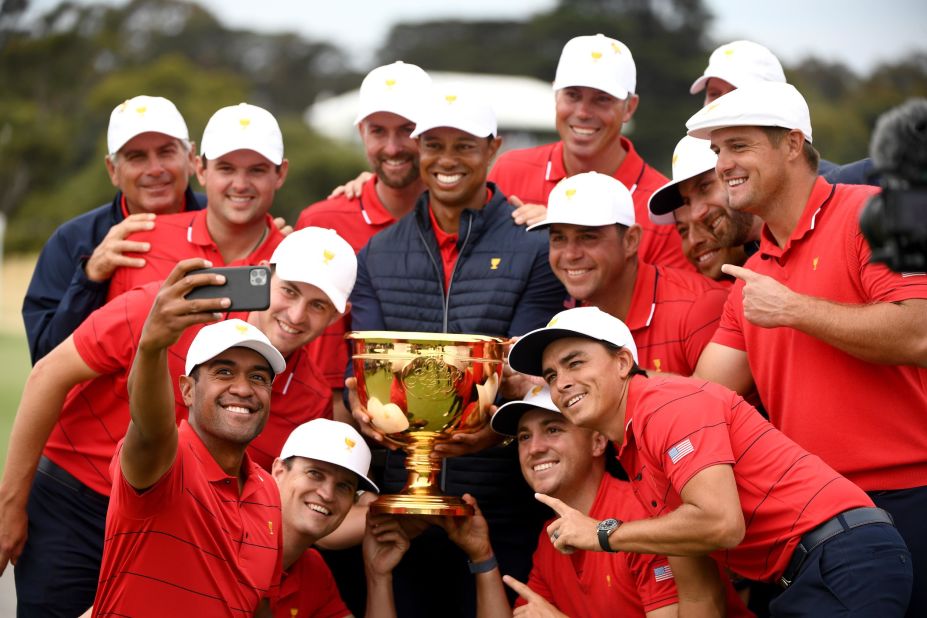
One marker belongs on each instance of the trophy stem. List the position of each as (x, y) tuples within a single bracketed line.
[(421, 494)]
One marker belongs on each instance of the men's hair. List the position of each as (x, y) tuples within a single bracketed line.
[(206, 162), (184, 143), (812, 156), (289, 461), (614, 349)]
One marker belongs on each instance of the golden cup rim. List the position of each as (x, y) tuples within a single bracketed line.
[(389, 336)]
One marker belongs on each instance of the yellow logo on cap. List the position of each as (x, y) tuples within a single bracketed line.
[(711, 108), (450, 98), (244, 122), (814, 264), (616, 47), (675, 158), (552, 322), (494, 263), (242, 328), (350, 443), (570, 193), (596, 55), (536, 390), (327, 256), (390, 83), (141, 109), (656, 364), (729, 51), (123, 105)]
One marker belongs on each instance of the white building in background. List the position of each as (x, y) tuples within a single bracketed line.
[(524, 108)]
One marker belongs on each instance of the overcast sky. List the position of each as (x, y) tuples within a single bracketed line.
[(858, 33)]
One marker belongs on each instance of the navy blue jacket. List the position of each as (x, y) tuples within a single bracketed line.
[(60, 295), (501, 286), (860, 172)]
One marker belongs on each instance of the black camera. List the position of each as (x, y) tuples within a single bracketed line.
[(895, 221)]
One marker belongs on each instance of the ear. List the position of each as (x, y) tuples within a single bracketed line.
[(599, 442), (278, 470), (186, 389), (111, 169), (191, 157), (631, 240), (494, 147), (624, 362), (796, 144), (630, 107), (200, 171), (284, 168)]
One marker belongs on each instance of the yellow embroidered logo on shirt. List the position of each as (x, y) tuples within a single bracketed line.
[(270, 527), (494, 263), (814, 264), (656, 364), (294, 612)]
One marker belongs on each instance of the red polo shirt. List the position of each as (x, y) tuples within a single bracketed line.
[(96, 413), (355, 221), (532, 173), (866, 420), (676, 427), (593, 583), (179, 237), (673, 315), (308, 590), (191, 545)]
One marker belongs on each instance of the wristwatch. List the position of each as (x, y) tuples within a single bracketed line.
[(605, 529)]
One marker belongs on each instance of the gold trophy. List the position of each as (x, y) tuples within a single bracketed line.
[(420, 388)]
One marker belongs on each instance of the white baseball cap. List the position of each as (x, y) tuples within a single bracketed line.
[(243, 127), (214, 339), (143, 114), (740, 63), (761, 104), (589, 322), (398, 88), (692, 157), (333, 442), (458, 109), (505, 420), (319, 257), (597, 62), (589, 199)]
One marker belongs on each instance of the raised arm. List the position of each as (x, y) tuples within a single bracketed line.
[(151, 439)]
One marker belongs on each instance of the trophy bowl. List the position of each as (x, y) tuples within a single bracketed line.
[(420, 388)]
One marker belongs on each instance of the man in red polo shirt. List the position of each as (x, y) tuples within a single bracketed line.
[(390, 97), (241, 168), (194, 526), (810, 303), (717, 479), (594, 245), (594, 90), (695, 203), (73, 409)]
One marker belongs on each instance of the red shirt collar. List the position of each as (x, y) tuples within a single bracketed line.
[(371, 205), (628, 172), (644, 297), (821, 194), (211, 469), (630, 405)]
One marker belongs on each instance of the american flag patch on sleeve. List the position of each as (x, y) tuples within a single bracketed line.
[(680, 450), (662, 573)]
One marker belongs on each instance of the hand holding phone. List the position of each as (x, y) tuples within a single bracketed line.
[(248, 287)]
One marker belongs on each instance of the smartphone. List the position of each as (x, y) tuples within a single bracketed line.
[(247, 286)]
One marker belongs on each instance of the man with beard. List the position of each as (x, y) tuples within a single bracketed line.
[(390, 97), (695, 201)]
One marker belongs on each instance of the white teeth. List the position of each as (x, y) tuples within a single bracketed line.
[(705, 257), (240, 199), (573, 400), (238, 409), (583, 131), (448, 179), (396, 161), (577, 273), (543, 466), (320, 509), (736, 181), (287, 328)]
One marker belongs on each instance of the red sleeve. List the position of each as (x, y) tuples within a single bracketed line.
[(702, 322), (688, 433), (108, 338), (653, 580), (157, 498), (730, 331), (878, 283)]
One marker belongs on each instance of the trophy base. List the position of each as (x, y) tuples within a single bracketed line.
[(403, 504)]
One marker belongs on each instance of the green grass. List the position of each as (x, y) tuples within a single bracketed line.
[(14, 356)]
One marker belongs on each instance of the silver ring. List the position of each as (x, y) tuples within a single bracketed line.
[(555, 535)]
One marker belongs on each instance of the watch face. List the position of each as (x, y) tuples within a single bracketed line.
[(607, 525)]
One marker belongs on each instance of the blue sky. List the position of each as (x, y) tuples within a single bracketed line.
[(859, 33)]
